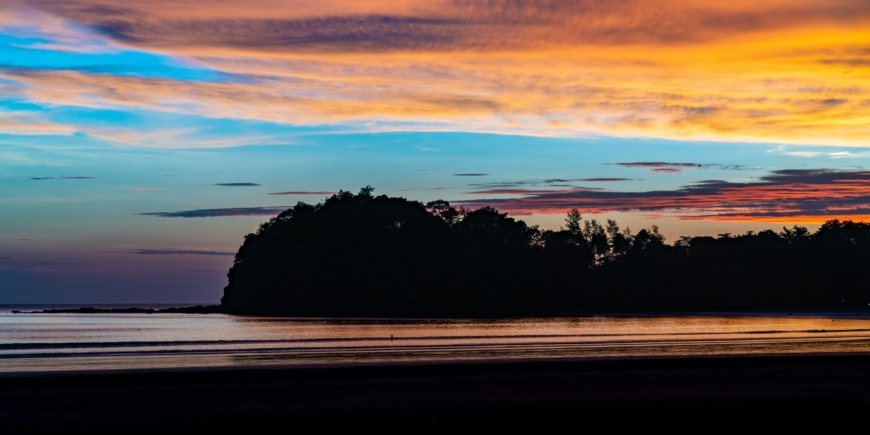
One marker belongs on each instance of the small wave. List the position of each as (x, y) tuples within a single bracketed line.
[(436, 348), (132, 344)]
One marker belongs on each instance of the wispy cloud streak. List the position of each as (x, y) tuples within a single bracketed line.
[(811, 195), (173, 252), (13, 263), (678, 167), (220, 212), (301, 192), (80, 177)]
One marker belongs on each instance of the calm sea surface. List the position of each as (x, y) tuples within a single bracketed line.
[(81, 342)]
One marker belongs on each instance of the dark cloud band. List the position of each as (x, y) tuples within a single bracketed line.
[(301, 192), (173, 252), (221, 212), (78, 177), (440, 26), (676, 167), (659, 165), (807, 194)]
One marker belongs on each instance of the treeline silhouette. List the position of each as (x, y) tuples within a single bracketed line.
[(376, 256)]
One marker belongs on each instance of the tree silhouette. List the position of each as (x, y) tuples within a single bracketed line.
[(366, 255)]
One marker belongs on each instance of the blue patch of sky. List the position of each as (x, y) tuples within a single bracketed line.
[(102, 212), (12, 40), (28, 52), (20, 106), (89, 117), (322, 161), (189, 131)]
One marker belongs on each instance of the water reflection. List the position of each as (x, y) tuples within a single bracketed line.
[(55, 342)]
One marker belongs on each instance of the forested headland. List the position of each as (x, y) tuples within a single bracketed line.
[(361, 255)]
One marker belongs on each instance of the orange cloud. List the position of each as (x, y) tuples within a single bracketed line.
[(776, 71), (441, 25)]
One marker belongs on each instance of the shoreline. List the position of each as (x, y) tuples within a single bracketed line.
[(597, 363), (507, 392), (216, 309)]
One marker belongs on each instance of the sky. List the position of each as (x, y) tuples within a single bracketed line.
[(141, 141)]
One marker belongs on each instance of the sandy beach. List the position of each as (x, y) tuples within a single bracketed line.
[(440, 394)]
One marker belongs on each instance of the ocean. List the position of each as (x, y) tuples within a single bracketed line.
[(105, 342)]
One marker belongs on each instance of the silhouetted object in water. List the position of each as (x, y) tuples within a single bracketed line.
[(376, 256)]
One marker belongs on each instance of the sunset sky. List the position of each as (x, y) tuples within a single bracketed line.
[(140, 141)]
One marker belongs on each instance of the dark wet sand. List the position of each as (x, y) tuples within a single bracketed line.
[(617, 392)]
